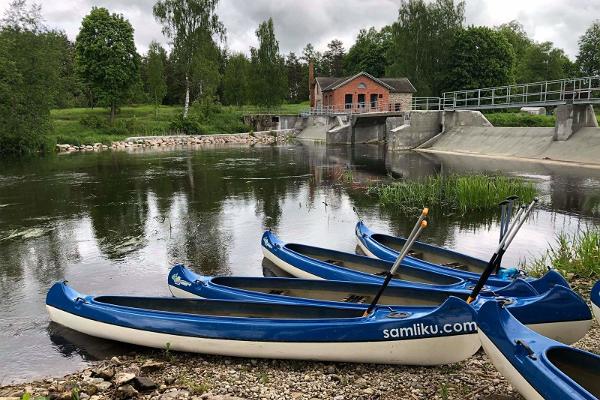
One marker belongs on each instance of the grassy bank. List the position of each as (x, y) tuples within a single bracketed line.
[(577, 254), (520, 119), (453, 193), (87, 126)]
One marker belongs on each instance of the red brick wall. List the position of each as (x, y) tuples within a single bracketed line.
[(336, 98)]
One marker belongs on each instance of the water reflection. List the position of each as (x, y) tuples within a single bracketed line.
[(115, 223)]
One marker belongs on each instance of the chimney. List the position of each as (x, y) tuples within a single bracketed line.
[(311, 82)]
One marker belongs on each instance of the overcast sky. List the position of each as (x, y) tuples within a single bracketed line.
[(298, 22)]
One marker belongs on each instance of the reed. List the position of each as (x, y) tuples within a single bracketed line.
[(454, 193), (572, 254)]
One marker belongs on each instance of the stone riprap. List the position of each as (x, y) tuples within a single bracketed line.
[(264, 137)]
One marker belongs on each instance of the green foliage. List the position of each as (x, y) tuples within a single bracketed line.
[(577, 254), (481, 57), (192, 25), (588, 58), (269, 81), (106, 57), (520, 119), (453, 193), (236, 77), (368, 52), (332, 63), (186, 126), (297, 77), (543, 62), (421, 42), (29, 80), (156, 79)]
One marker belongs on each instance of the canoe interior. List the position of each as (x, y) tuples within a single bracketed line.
[(433, 254), (328, 291), (228, 308), (371, 265), (581, 367)]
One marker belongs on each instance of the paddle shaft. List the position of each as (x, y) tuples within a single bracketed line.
[(497, 256), (517, 217), (389, 275)]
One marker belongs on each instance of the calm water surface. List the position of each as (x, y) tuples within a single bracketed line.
[(115, 222)]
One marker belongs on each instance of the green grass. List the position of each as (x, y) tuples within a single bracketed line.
[(577, 254), (519, 119), (82, 126), (453, 193)]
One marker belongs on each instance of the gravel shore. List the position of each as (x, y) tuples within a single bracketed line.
[(168, 376)]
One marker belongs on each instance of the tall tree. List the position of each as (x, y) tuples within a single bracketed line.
[(421, 40), (481, 57), (588, 58), (368, 52), (269, 81), (155, 74), (192, 25), (333, 58), (297, 76), (106, 56), (309, 54), (30, 65), (235, 80), (543, 62)]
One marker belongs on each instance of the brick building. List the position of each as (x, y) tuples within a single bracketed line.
[(360, 93)]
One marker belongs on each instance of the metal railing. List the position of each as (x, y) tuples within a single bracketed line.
[(547, 93), (353, 108), (426, 103)]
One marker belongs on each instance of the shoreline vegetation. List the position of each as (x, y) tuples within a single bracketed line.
[(453, 193)]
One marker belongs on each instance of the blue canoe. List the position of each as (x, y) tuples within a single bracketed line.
[(311, 262), (258, 329), (429, 257), (595, 297), (538, 367), (559, 313)]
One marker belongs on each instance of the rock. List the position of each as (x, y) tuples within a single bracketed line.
[(169, 380), (368, 391), (106, 373), (151, 366), (143, 383), (122, 378), (175, 395), (126, 392), (93, 381), (331, 369), (103, 386), (115, 360)]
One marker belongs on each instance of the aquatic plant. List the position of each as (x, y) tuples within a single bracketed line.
[(454, 193), (573, 254)]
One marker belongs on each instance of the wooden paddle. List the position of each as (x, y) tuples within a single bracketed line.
[(497, 256), (419, 226)]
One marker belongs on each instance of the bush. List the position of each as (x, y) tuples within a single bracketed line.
[(520, 120), (186, 126), (94, 122)]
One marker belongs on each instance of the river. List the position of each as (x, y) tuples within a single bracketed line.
[(115, 222)]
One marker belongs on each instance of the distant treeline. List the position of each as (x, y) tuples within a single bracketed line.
[(41, 69)]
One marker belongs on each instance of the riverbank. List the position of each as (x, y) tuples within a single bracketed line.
[(165, 375), (249, 138)]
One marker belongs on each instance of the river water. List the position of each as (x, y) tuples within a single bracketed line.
[(115, 222)]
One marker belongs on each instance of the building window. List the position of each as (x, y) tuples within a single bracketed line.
[(362, 86)]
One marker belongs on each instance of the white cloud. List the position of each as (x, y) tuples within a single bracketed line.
[(319, 21)]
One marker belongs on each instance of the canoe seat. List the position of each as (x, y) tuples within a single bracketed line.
[(354, 298), (279, 292), (456, 265), (335, 262)]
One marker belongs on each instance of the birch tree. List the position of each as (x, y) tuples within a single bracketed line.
[(190, 24)]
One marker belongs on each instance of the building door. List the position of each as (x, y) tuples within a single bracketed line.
[(374, 101), (361, 100), (348, 101)]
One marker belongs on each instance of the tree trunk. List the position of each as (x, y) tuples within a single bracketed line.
[(113, 111), (186, 106)]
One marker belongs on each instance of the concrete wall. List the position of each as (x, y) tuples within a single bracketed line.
[(413, 129), (572, 117)]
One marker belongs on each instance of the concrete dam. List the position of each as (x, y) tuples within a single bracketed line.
[(575, 138)]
